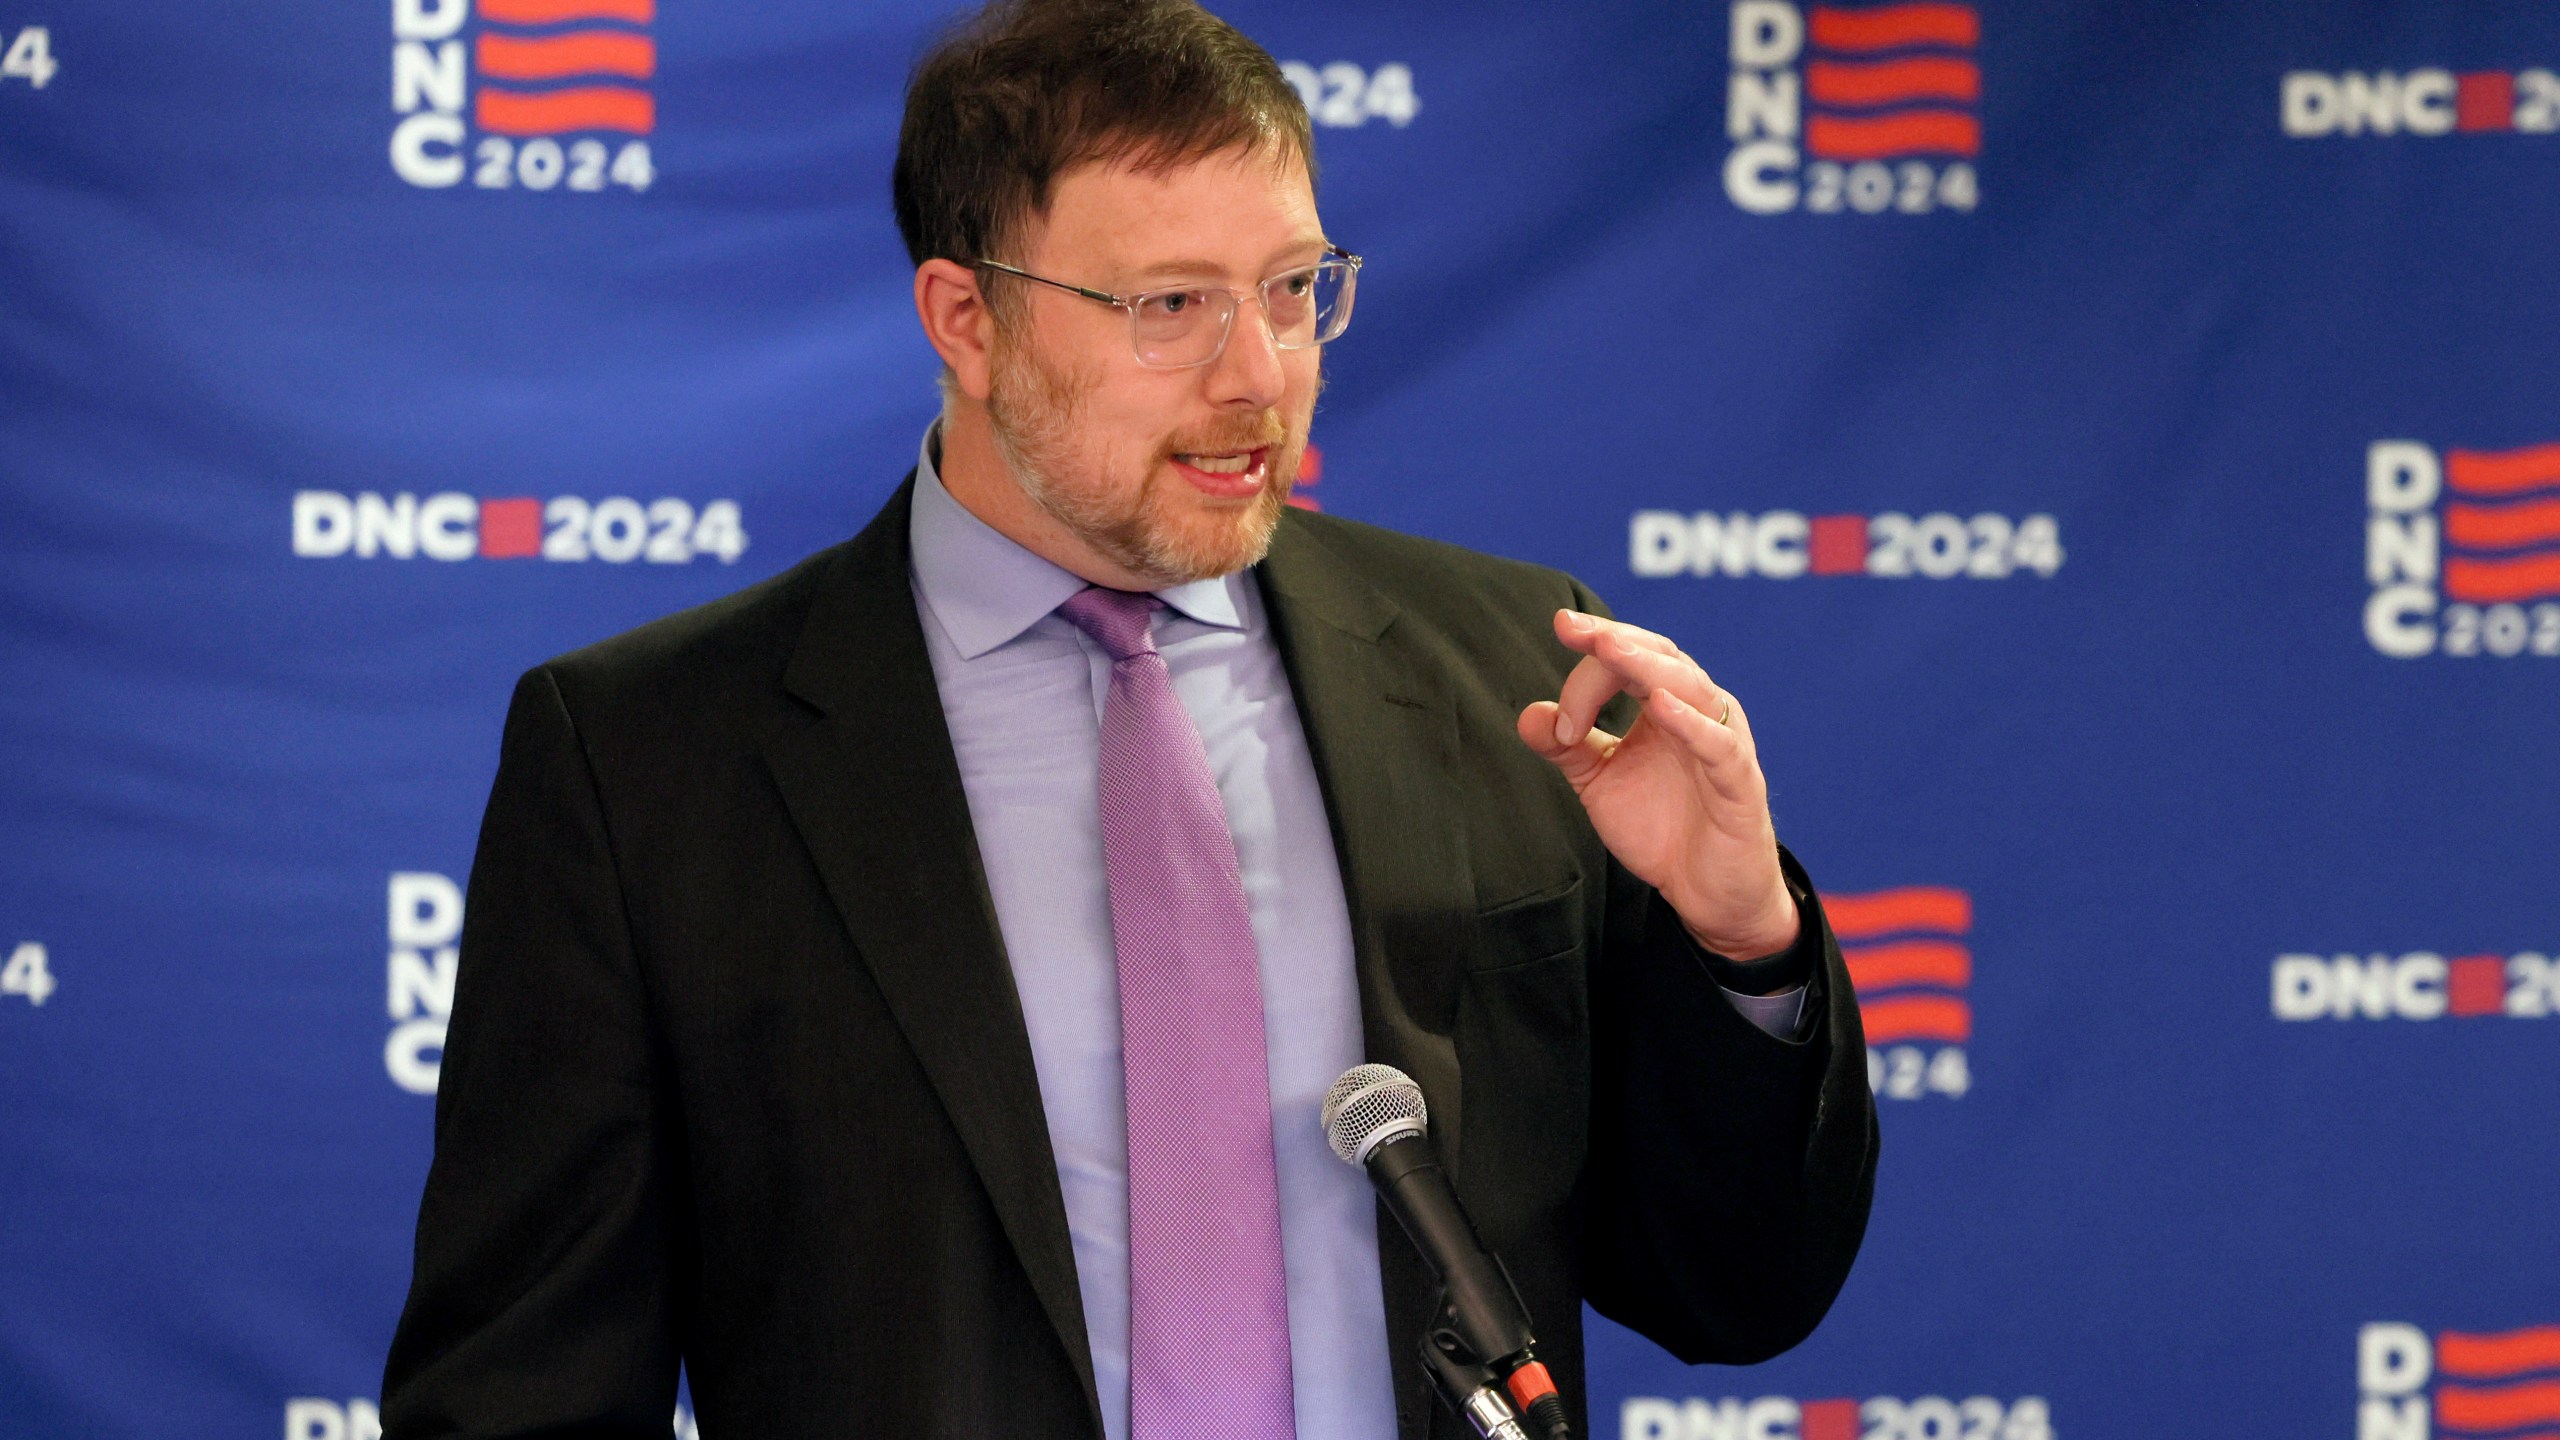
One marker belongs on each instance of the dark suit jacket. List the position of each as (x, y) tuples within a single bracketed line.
[(737, 1077)]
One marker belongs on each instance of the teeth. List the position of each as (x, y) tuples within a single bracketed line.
[(1219, 464)]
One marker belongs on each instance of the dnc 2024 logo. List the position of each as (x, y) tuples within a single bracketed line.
[(2462, 550), (2417, 985), (453, 526), (311, 1417), (1884, 1417), (2416, 1386), (426, 939), (2427, 101), (1871, 109), (1890, 545), (558, 93), (1913, 970)]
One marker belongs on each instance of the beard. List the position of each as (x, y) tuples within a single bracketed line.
[(1036, 413)]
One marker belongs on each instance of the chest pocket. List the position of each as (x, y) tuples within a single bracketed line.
[(1522, 931)]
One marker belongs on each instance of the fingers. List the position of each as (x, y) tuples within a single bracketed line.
[(1579, 758), (1581, 632), (1622, 657), (1601, 675), (1650, 670), (1724, 751), (1593, 683)]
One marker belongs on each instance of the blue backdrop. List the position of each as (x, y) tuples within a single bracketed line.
[(2113, 448)]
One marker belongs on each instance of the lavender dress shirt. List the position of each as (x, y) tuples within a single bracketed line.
[(1022, 692)]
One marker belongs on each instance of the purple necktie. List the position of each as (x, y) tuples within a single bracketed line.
[(1208, 1296)]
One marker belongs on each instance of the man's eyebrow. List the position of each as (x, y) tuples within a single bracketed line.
[(1169, 268), (1311, 246)]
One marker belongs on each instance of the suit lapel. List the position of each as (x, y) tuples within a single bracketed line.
[(875, 791), (1382, 729)]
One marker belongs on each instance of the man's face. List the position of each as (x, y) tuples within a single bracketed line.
[(1174, 475)]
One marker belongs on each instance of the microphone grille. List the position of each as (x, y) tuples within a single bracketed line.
[(1370, 1105)]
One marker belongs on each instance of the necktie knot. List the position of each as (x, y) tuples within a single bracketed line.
[(1120, 621)]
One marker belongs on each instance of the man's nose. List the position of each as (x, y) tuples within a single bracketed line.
[(1247, 374)]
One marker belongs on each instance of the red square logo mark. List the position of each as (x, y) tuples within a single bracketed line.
[(1839, 545), (2485, 100), (1830, 1420), (2476, 985), (510, 529), (1310, 471)]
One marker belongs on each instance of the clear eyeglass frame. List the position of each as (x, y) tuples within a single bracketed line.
[(1167, 326)]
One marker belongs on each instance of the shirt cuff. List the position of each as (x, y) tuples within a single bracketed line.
[(1770, 992), (1781, 1016)]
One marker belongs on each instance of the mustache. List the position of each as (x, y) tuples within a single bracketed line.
[(1261, 432)]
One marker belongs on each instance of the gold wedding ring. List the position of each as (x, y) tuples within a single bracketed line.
[(1728, 711)]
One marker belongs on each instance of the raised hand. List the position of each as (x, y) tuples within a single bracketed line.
[(1679, 798)]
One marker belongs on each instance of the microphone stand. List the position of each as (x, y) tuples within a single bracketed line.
[(1470, 1384), (1471, 1390)]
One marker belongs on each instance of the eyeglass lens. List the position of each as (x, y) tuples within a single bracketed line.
[(1188, 327)]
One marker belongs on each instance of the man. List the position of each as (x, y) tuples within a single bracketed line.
[(901, 992)]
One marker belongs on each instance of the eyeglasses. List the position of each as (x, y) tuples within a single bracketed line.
[(1177, 328)]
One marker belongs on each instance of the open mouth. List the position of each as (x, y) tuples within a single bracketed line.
[(1226, 474)]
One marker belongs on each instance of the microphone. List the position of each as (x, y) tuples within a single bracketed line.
[(1375, 1119)]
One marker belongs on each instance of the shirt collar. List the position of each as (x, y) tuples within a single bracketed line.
[(986, 589)]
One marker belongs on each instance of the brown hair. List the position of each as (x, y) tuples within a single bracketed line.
[(1026, 90)]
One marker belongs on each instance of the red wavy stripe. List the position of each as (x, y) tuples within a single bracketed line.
[(1892, 82), (590, 52), (1887, 26), (1916, 1017), (1913, 907), (2502, 527), (1881, 137), (552, 12), (588, 107), (1909, 962), (2497, 1407), (2488, 582), (2490, 1357), (2502, 472)]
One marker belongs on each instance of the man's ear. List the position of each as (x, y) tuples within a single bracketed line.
[(956, 322)]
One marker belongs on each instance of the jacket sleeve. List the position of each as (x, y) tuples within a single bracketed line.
[(1730, 1172), (544, 1298)]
